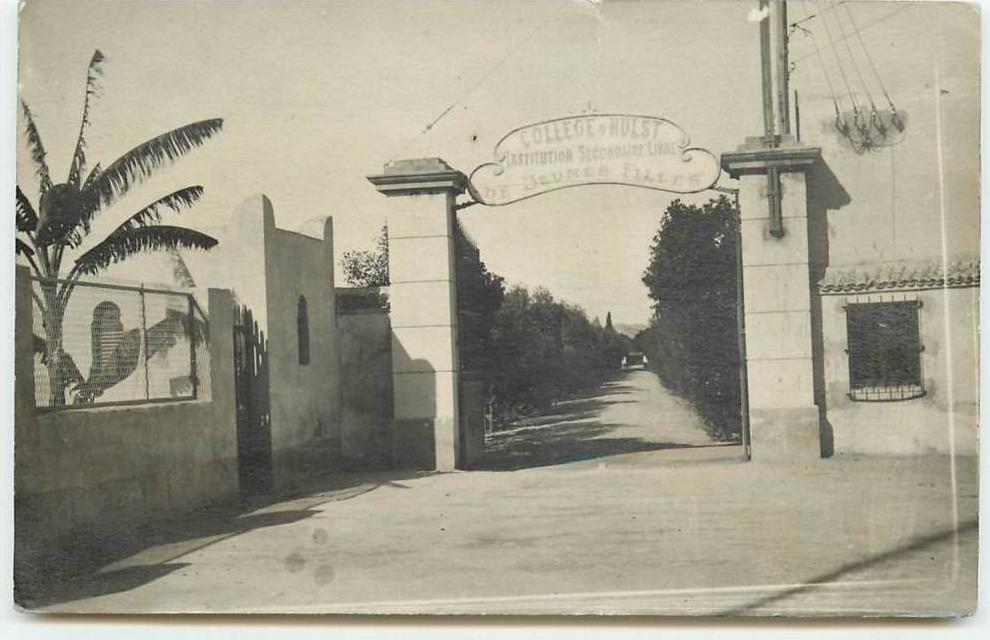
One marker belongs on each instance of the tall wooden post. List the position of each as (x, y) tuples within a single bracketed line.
[(778, 294), (776, 106), (775, 71), (779, 35)]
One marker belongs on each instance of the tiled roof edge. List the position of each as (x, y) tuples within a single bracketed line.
[(901, 276)]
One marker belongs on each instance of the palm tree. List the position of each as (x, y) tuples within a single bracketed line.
[(66, 210)]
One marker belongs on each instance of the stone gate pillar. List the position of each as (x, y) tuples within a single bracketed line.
[(777, 300), (422, 297)]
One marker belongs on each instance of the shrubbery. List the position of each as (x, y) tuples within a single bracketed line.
[(692, 341)]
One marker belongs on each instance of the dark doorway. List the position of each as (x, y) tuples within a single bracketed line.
[(254, 433)]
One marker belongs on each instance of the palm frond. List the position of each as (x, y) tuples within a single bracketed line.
[(78, 167), (148, 216), (89, 205), (142, 161), (93, 175), (124, 243), (38, 153), (152, 213), (27, 217), (22, 248)]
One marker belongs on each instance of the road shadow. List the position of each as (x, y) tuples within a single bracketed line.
[(561, 443), (84, 566), (570, 431)]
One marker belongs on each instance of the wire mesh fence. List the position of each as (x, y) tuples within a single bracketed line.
[(106, 344)]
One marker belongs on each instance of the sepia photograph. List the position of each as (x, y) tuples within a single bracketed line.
[(662, 308)]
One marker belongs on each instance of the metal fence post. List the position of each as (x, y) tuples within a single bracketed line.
[(144, 333), (191, 334)]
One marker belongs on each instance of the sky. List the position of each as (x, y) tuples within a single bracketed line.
[(318, 95)]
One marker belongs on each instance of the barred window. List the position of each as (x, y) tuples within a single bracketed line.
[(302, 325), (884, 347)]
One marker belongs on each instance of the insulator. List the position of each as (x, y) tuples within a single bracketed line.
[(895, 119), (841, 125), (878, 123), (863, 129)]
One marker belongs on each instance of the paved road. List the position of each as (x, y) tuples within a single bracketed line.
[(620, 523)]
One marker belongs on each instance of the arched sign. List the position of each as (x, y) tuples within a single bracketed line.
[(636, 151)]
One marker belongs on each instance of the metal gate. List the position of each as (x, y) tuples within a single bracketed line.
[(254, 433)]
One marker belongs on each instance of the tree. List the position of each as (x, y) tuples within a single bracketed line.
[(529, 348), (480, 294), (65, 212), (546, 350), (368, 268), (692, 341)]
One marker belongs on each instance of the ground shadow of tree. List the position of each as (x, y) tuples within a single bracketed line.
[(571, 431), (561, 443)]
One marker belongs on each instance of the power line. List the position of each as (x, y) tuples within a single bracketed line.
[(859, 120), (859, 74), (815, 15), (869, 58), (870, 130), (821, 59), (496, 67), (842, 71), (907, 5), (487, 74)]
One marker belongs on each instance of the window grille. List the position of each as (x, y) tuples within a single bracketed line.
[(884, 348)]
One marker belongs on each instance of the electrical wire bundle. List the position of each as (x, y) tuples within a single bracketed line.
[(863, 124)]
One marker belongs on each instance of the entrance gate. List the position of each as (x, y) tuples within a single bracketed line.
[(778, 296), (254, 441)]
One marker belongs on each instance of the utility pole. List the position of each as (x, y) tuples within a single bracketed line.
[(775, 68), (780, 37), (766, 68), (778, 305)]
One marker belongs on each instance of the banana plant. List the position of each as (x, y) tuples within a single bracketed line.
[(49, 237)]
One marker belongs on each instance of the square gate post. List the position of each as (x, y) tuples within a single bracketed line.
[(777, 298), (423, 310)]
